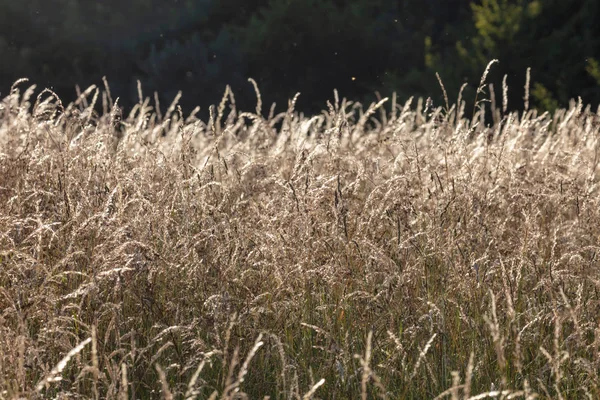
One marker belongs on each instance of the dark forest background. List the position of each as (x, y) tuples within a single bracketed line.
[(360, 47)]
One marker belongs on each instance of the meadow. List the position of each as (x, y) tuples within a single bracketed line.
[(399, 250)]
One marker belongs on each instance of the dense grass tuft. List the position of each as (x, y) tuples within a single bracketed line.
[(400, 251)]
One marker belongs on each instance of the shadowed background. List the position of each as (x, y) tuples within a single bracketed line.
[(360, 47)]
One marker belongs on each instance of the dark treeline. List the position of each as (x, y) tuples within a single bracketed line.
[(360, 47)]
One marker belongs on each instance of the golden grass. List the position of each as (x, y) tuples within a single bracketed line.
[(411, 255)]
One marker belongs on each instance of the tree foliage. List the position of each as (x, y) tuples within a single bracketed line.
[(358, 46), (557, 39)]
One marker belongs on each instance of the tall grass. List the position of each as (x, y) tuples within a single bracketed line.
[(382, 252)]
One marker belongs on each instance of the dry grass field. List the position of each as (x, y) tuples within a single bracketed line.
[(397, 251)]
